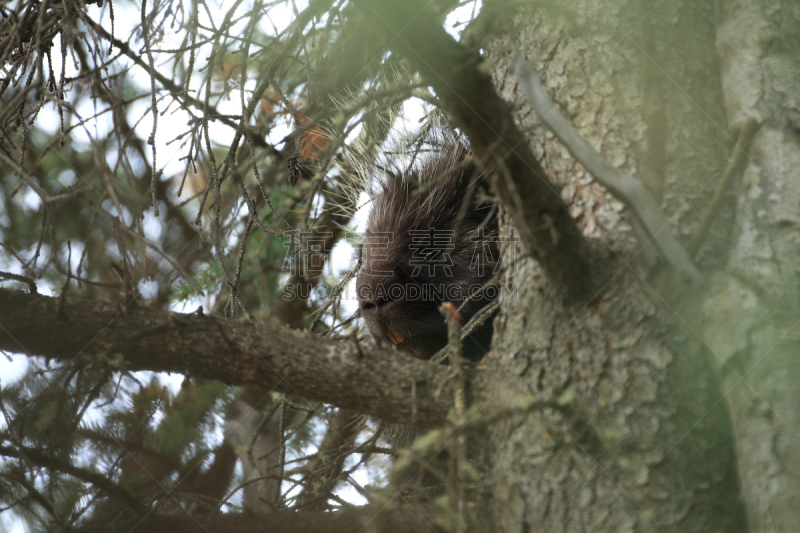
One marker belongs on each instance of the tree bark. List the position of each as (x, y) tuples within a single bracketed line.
[(752, 313), (234, 352), (664, 457)]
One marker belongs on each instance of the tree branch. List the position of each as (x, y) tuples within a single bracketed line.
[(414, 30), (323, 470), (177, 92), (625, 188), (133, 337), (380, 518), (98, 480)]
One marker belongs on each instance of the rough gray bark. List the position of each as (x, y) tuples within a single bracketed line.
[(663, 459), (752, 312)]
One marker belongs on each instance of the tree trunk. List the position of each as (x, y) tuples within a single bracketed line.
[(645, 442), (752, 311)]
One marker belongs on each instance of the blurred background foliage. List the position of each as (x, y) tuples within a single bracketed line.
[(179, 154)]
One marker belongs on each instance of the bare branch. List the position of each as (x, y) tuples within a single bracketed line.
[(537, 210), (380, 518), (132, 337), (625, 188), (176, 91), (98, 480)]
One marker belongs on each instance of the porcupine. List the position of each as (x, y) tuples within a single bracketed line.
[(430, 239)]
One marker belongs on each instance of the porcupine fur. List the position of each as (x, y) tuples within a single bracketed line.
[(430, 228)]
